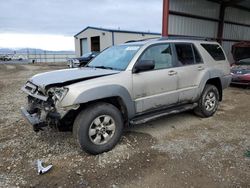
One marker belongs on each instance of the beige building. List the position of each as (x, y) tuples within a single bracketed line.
[(97, 39)]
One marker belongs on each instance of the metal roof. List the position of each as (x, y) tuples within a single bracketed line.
[(117, 31)]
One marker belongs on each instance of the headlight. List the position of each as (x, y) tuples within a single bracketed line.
[(58, 92)]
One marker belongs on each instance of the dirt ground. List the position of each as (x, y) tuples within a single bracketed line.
[(176, 151)]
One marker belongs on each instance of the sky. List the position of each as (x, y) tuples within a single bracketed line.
[(51, 24)]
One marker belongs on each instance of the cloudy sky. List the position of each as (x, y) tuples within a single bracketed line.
[(51, 24)]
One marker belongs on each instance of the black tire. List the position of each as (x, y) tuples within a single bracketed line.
[(201, 110), (84, 122)]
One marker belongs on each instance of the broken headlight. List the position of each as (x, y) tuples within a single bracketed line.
[(57, 92)]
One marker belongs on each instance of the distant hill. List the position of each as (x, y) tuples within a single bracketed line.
[(32, 51)]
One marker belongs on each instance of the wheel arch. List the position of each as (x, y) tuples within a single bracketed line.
[(113, 94), (217, 83)]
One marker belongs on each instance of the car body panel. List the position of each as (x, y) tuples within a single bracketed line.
[(58, 77), (154, 89)]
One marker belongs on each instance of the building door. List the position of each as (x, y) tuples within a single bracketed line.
[(95, 44), (84, 46)]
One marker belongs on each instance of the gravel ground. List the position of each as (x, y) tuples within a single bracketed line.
[(176, 151)]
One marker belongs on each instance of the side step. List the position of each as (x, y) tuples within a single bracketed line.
[(158, 114)]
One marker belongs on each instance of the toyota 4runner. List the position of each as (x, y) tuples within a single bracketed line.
[(131, 83)]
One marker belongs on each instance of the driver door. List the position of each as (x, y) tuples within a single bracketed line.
[(156, 88)]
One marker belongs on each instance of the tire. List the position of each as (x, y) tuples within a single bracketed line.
[(98, 128), (208, 102)]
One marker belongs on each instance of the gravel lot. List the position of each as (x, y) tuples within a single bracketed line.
[(177, 151)]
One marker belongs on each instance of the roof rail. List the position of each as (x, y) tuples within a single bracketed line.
[(141, 40), (186, 38)]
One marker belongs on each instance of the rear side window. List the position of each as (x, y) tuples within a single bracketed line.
[(184, 53), (215, 51)]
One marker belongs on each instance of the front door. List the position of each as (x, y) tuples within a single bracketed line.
[(156, 88)]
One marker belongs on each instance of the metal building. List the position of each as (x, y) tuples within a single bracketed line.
[(227, 21), (97, 39)]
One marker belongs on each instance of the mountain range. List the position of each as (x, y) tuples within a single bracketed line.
[(31, 51)]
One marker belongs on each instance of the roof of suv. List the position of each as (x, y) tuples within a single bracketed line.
[(170, 39)]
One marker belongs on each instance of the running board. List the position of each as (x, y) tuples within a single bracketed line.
[(158, 114)]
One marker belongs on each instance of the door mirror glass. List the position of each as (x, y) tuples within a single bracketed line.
[(144, 65)]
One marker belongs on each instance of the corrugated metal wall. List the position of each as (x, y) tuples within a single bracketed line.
[(183, 25), (196, 7), (180, 25), (235, 32), (237, 15)]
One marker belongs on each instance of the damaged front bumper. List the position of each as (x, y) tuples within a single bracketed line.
[(33, 119), (45, 109)]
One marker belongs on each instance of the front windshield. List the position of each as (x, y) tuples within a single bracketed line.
[(115, 57), (243, 62)]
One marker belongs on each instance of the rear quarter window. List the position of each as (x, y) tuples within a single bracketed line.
[(215, 51)]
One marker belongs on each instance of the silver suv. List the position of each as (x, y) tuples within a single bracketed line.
[(131, 83)]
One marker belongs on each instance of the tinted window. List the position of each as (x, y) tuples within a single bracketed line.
[(197, 55), (184, 54), (161, 54), (215, 51)]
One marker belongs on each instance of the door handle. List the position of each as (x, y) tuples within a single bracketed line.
[(200, 68), (171, 73)]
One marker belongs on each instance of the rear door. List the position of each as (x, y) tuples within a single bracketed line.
[(190, 71), (156, 88)]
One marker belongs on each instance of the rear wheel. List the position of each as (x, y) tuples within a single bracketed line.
[(208, 102), (98, 128)]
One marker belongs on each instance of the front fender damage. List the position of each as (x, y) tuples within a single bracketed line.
[(41, 113)]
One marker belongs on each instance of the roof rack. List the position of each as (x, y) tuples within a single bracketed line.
[(186, 38), (141, 40)]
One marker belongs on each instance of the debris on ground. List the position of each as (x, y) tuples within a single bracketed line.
[(41, 169)]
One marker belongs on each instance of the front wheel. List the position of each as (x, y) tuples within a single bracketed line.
[(98, 128), (208, 102)]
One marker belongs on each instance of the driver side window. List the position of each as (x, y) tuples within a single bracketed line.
[(161, 54)]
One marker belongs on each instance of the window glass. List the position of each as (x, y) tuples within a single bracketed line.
[(197, 55), (160, 54), (215, 51), (115, 57), (184, 54)]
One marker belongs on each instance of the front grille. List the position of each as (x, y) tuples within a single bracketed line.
[(31, 87), (33, 91)]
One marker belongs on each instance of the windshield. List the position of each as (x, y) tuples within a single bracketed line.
[(243, 62), (115, 57)]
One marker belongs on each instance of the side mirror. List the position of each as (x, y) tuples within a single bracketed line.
[(144, 65)]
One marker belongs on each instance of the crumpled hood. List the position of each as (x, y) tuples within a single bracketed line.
[(69, 76)]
